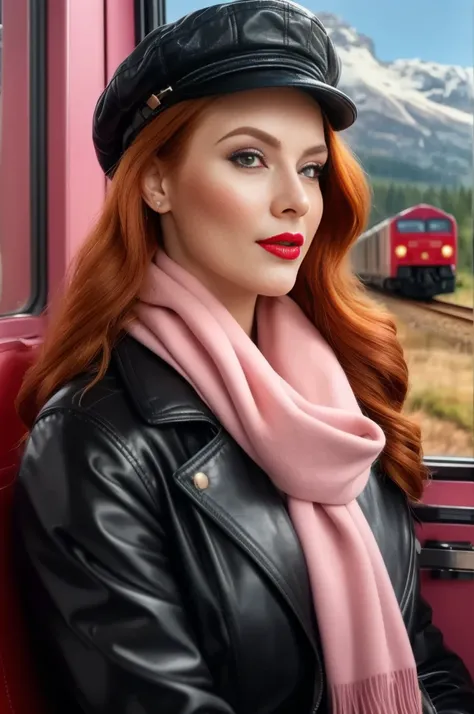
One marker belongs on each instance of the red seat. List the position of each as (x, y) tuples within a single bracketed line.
[(19, 692)]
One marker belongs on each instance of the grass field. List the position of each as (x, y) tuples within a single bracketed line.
[(441, 393)]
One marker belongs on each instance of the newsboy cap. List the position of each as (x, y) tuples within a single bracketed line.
[(236, 46)]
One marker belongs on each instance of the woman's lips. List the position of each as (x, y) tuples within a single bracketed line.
[(287, 252), (285, 245), (293, 238)]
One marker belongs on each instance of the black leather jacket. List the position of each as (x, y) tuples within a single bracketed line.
[(152, 591)]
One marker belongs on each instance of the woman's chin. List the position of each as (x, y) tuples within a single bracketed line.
[(279, 285)]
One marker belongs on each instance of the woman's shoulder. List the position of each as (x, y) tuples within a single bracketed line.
[(101, 403), (138, 390), (84, 442), (139, 420)]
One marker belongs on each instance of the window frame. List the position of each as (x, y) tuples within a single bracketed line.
[(38, 158), (149, 14), (450, 468), (29, 322), (64, 205)]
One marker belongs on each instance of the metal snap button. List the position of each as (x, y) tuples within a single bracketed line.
[(201, 480)]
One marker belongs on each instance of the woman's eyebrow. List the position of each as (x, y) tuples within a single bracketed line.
[(270, 139)]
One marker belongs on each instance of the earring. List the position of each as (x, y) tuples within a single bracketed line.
[(158, 203)]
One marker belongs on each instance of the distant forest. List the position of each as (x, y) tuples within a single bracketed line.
[(390, 198), (400, 170)]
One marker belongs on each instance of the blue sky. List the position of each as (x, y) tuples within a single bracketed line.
[(436, 30)]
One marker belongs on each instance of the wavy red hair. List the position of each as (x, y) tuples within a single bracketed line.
[(110, 267)]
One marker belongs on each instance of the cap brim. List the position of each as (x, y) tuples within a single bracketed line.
[(339, 109)]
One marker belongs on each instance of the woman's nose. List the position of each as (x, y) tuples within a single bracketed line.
[(290, 197)]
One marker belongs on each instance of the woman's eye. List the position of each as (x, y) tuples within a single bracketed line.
[(247, 159), (313, 171), (254, 160)]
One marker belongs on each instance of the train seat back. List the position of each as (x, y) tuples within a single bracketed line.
[(19, 690), (446, 535)]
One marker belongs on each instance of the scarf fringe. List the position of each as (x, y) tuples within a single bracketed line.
[(392, 693)]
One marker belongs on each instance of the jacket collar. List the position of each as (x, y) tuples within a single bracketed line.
[(159, 393)]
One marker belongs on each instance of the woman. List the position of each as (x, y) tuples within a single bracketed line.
[(213, 507)]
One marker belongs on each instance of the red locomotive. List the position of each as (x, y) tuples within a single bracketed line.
[(413, 253)]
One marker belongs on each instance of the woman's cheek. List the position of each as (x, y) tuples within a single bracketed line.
[(235, 201)]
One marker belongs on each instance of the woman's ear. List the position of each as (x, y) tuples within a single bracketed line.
[(153, 191)]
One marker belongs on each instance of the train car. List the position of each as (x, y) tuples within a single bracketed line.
[(413, 253)]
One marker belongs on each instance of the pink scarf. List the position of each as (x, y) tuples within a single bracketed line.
[(289, 405)]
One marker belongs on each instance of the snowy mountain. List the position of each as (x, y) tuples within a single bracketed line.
[(415, 117)]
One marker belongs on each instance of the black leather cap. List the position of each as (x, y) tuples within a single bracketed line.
[(248, 44)]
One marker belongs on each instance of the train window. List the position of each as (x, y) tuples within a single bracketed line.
[(15, 282), (438, 225), (407, 226), (22, 164), (410, 90)]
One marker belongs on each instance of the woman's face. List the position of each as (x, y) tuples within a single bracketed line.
[(250, 172)]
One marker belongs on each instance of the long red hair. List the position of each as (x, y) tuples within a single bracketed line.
[(110, 268)]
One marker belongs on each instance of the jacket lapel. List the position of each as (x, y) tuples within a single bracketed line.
[(239, 497)]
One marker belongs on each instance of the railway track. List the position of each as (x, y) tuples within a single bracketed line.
[(461, 313), (454, 322)]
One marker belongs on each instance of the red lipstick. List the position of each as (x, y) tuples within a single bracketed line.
[(284, 245)]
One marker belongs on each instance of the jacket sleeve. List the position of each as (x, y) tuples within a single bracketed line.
[(445, 683), (101, 572)]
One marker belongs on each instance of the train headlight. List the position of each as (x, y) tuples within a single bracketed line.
[(447, 251), (401, 251)]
